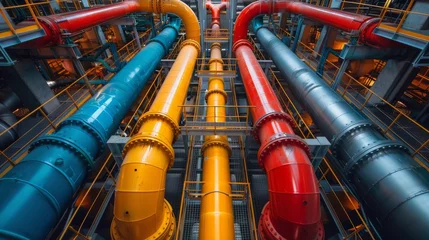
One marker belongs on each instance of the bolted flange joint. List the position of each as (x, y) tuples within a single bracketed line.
[(281, 139), (220, 143), (270, 116), (218, 91), (162, 116)]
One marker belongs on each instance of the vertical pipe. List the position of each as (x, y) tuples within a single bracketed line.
[(392, 185), (216, 214), (37, 191), (293, 211)]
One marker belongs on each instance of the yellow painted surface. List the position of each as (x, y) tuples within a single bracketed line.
[(216, 214)]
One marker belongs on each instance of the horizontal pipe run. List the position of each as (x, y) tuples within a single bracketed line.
[(393, 186), (293, 211), (36, 192), (339, 19)]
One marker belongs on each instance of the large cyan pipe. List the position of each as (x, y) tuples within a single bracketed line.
[(36, 192), (140, 211), (216, 214), (293, 211), (394, 187), (339, 19)]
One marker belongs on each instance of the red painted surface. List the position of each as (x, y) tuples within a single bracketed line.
[(76, 21), (339, 19), (293, 211), (215, 9)]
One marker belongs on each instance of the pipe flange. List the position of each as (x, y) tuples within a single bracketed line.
[(364, 156), (267, 230), (219, 143), (52, 25), (88, 127), (166, 49), (165, 231), (281, 138), (352, 127), (67, 143), (143, 139), (156, 6), (365, 27), (216, 44), (240, 43), (191, 42), (218, 91), (270, 116), (216, 60), (163, 117)]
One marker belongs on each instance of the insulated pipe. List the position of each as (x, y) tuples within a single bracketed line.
[(36, 192), (339, 19), (140, 210), (216, 214), (293, 211), (392, 185), (71, 22)]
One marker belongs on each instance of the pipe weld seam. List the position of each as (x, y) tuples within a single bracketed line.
[(359, 158), (421, 192), (89, 128), (164, 117), (191, 42), (146, 139), (51, 199), (67, 143), (351, 128), (219, 143), (281, 139), (269, 117), (218, 91), (215, 191), (162, 43)]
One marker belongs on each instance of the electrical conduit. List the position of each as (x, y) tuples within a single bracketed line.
[(216, 214), (140, 211), (36, 192), (394, 187), (339, 19)]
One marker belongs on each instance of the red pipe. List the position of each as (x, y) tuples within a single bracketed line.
[(293, 211), (55, 25), (215, 9), (339, 19)]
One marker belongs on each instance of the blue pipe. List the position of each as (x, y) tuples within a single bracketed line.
[(36, 192), (387, 179)]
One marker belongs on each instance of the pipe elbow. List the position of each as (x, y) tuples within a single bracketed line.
[(140, 211)]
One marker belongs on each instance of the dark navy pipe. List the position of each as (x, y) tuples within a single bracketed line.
[(394, 187), (37, 191)]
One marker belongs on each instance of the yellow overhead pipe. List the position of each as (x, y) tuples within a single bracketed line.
[(140, 211), (216, 214), (178, 8)]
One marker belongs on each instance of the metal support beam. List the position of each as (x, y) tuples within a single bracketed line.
[(340, 74), (136, 36), (81, 71), (297, 33), (231, 14)]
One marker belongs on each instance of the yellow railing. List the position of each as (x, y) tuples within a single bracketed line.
[(391, 18), (394, 123), (216, 35)]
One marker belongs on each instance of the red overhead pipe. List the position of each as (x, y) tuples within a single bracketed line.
[(56, 25), (293, 211), (339, 19), (215, 9)]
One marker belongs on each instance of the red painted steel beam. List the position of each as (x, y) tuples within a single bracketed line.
[(339, 19), (215, 9), (55, 25), (293, 211)]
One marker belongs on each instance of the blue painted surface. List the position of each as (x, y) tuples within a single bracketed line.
[(37, 191)]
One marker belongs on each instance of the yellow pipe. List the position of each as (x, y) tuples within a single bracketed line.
[(140, 210), (216, 214), (178, 8)]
